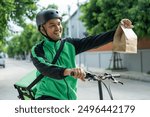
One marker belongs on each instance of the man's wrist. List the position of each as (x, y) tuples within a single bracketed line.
[(67, 72)]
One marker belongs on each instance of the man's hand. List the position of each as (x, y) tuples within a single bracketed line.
[(126, 23), (77, 73)]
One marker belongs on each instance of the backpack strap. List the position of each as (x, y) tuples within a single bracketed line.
[(53, 62)]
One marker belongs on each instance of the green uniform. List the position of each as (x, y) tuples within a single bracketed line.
[(54, 83)]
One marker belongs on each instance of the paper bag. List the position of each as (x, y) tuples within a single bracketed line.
[(125, 40)]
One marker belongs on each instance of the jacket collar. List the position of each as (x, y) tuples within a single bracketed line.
[(51, 43)]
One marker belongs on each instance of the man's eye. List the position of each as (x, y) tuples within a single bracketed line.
[(51, 26)]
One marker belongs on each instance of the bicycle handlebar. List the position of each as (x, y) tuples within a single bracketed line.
[(100, 77)]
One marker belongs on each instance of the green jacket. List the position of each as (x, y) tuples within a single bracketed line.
[(54, 83)]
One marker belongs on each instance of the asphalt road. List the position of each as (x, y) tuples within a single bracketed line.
[(15, 69), (88, 90)]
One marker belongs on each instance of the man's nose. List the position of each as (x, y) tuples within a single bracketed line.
[(57, 27)]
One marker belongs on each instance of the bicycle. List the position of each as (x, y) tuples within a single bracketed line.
[(100, 78)]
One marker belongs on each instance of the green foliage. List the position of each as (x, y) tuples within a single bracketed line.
[(52, 6), (1, 46), (23, 9), (22, 44), (142, 18), (103, 15), (16, 11)]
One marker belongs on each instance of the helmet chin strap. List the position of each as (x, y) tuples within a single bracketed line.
[(47, 35)]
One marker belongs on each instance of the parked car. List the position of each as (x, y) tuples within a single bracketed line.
[(2, 61)]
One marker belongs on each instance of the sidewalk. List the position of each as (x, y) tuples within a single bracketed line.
[(124, 74)]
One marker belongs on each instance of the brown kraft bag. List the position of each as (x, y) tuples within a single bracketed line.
[(125, 40)]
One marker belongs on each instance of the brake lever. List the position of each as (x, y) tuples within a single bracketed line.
[(110, 76), (115, 81), (90, 76)]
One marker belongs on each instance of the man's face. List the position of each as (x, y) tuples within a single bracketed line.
[(54, 29)]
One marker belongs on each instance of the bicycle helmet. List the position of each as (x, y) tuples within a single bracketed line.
[(43, 16)]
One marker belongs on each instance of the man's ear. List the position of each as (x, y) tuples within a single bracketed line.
[(42, 30)]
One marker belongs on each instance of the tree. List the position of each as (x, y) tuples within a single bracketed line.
[(104, 15), (14, 47), (22, 44), (16, 11)]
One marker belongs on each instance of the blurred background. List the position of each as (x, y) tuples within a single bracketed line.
[(80, 18)]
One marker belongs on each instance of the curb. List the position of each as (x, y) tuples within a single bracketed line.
[(136, 76)]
